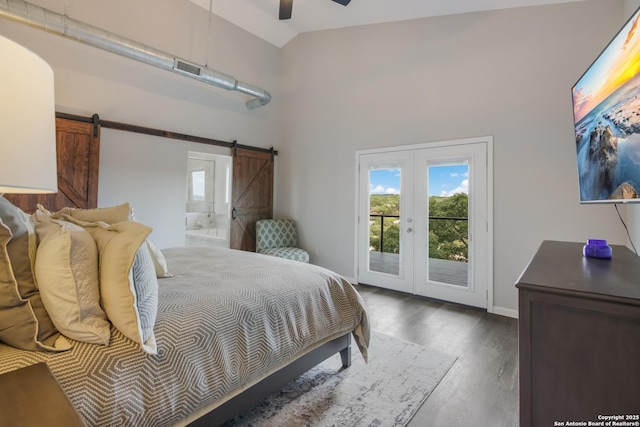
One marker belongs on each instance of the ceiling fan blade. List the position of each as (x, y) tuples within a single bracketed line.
[(342, 2), (285, 9)]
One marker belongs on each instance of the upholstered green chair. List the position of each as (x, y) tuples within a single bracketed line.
[(279, 238)]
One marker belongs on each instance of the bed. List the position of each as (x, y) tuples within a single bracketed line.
[(230, 327)]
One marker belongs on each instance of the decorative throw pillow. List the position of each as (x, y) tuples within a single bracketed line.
[(128, 284), (24, 322), (67, 274), (112, 215)]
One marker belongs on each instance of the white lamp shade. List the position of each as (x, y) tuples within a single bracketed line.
[(27, 122)]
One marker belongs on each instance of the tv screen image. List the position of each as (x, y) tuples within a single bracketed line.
[(606, 112)]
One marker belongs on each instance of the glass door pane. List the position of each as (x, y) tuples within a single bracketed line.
[(451, 223), (385, 237), (384, 220), (448, 188)]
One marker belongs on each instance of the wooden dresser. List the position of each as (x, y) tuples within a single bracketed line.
[(579, 343)]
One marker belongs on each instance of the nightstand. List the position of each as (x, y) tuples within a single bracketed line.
[(31, 396)]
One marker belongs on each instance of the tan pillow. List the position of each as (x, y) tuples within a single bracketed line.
[(111, 215), (128, 284), (67, 274), (24, 322)]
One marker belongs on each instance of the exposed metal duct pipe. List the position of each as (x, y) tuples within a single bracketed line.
[(47, 20)]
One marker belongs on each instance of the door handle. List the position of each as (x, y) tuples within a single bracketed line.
[(409, 230), (233, 213)]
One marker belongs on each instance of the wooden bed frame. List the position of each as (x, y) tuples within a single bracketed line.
[(277, 381)]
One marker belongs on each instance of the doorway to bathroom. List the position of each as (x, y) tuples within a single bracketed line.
[(208, 199)]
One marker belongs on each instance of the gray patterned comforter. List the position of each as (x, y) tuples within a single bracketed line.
[(224, 320)]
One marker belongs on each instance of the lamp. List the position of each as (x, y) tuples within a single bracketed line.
[(27, 122)]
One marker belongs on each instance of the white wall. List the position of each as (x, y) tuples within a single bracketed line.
[(150, 172), (630, 6), (505, 73)]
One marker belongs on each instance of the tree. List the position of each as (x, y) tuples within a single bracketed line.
[(389, 206), (384, 204), (449, 238)]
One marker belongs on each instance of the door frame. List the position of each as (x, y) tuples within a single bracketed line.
[(488, 140)]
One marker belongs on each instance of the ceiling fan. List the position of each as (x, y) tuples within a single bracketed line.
[(287, 5)]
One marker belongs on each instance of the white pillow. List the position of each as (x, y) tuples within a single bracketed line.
[(66, 270), (128, 283), (159, 261)]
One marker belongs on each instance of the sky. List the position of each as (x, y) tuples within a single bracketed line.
[(618, 63), (443, 180)]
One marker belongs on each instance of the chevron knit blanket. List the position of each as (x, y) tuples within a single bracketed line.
[(225, 319)]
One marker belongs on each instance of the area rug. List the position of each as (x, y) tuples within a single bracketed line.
[(386, 392)]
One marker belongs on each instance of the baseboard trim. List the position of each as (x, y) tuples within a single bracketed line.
[(508, 312), (500, 311)]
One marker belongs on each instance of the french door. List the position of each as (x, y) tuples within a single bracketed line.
[(423, 220)]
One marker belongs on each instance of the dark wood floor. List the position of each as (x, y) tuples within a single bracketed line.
[(481, 389)]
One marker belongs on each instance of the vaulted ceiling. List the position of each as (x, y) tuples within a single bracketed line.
[(260, 17)]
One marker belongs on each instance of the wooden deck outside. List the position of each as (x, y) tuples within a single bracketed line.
[(440, 270)]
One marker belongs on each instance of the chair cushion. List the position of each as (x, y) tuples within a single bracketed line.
[(295, 254), (276, 233)]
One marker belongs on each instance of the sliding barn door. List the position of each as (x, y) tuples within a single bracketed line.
[(252, 193), (78, 154)]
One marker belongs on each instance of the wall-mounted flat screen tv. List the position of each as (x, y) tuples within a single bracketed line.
[(606, 113)]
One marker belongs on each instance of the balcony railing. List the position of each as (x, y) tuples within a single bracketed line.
[(382, 217), (382, 225), (451, 271)]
